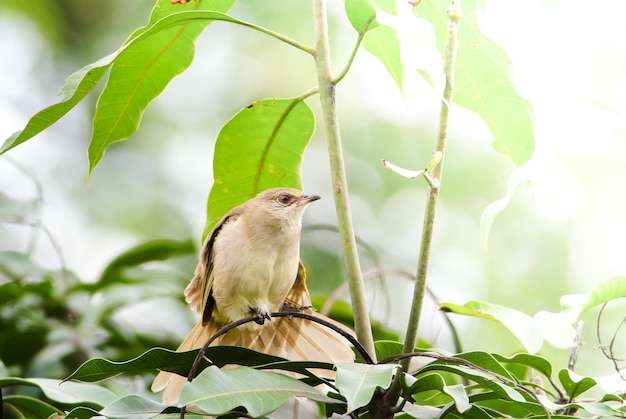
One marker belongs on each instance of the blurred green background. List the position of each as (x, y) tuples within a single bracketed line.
[(560, 235)]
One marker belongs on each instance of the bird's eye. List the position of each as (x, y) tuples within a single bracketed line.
[(284, 199)]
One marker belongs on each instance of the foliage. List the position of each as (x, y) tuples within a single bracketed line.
[(52, 321)]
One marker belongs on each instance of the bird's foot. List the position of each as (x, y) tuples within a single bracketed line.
[(260, 315)]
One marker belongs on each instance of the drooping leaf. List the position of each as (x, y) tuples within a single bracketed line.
[(259, 148), (520, 324), (357, 382), (97, 369), (219, 391), (383, 42), (483, 80), (142, 71), (518, 178), (574, 384)]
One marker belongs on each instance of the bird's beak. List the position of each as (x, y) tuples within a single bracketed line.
[(307, 199)]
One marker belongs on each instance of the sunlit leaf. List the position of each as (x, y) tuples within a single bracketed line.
[(483, 80), (142, 71), (518, 323), (259, 148), (607, 290), (357, 382), (218, 391), (361, 13), (383, 42)]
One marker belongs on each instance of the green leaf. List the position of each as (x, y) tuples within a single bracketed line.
[(133, 407), (217, 391), (97, 369), (64, 392), (142, 253), (142, 71), (31, 407), (83, 81), (76, 88), (430, 382), (259, 148), (357, 382), (607, 290), (532, 361), (574, 384), (487, 361), (383, 42), (483, 78), (360, 13), (520, 324)]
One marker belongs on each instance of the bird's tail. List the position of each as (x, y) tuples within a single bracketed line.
[(293, 338)]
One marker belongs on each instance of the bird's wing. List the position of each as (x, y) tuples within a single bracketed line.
[(199, 291), (298, 296)]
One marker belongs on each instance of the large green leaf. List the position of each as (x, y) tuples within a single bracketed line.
[(259, 148), (483, 78), (97, 369), (171, 57), (217, 391), (357, 382), (142, 71), (574, 384)]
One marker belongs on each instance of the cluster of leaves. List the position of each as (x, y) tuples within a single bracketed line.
[(471, 385), (261, 147)]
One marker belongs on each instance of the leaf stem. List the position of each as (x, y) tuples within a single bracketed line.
[(354, 50), (338, 174), (449, 60)]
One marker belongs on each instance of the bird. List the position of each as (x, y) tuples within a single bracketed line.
[(250, 265)]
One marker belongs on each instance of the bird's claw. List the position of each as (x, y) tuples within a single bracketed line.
[(260, 315)]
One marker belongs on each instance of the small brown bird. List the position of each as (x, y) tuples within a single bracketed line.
[(250, 266)]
